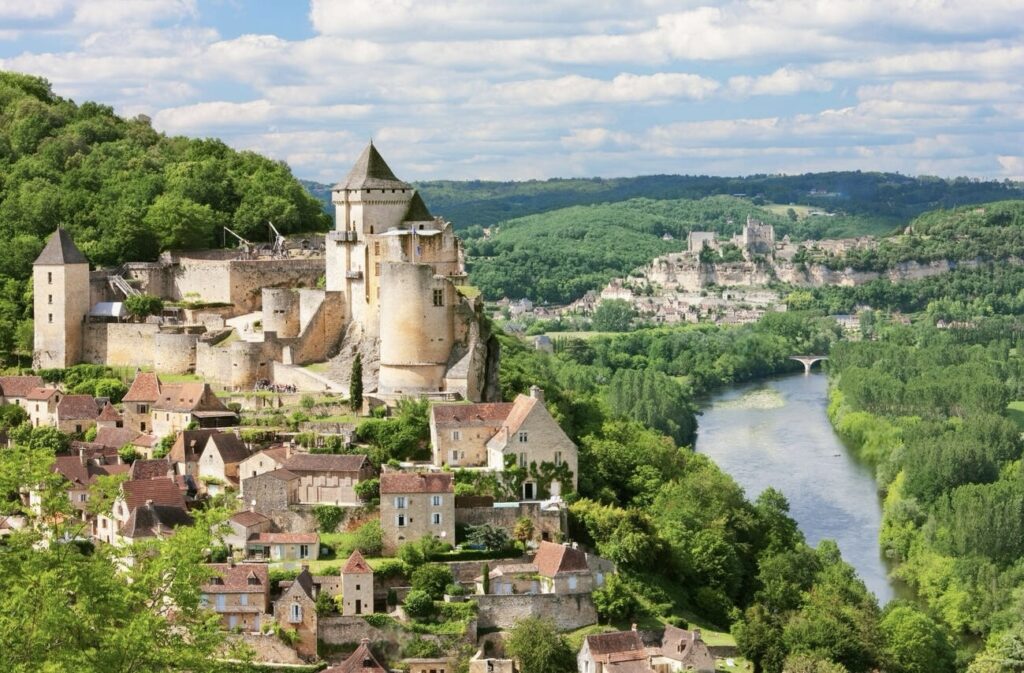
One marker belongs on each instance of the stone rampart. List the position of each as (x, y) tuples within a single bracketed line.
[(119, 344), (568, 611), (174, 353), (547, 524)]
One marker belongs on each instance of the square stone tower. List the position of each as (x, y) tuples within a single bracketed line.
[(357, 586), (60, 277)]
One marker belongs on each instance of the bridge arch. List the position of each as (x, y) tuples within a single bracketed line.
[(808, 361)]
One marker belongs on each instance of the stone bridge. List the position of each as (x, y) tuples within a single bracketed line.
[(808, 360)]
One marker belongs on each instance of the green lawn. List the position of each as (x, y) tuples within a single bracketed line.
[(1015, 412)]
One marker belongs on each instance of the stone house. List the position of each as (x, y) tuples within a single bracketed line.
[(327, 478), (245, 525), (15, 389), (139, 400), (187, 448), (619, 652), (295, 609), (109, 417), (357, 586), (115, 438), (150, 468), (271, 491), (163, 493), (152, 521), (263, 461), (81, 471), (674, 651), (555, 569), (491, 435), (416, 504), (41, 405), (181, 404), (283, 546), (360, 661), (76, 413), (218, 463), (239, 593)]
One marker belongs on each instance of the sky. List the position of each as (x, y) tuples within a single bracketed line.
[(533, 89)]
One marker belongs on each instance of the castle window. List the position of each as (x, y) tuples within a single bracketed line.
[(49, 317), (376, 247), (376, 269), (49, 299), (49, 277), (438, 297), (558, 458), (371, 230)]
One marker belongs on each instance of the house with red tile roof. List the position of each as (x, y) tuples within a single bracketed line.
[(416, 504), (181, 404), (295, 609), (554, 569), (244, 525), (360, 661), (239, 594), (81, 471), (329, 479), (15, 389), (139, 400), (109, 417), (187, 448), (41, 405), (356, 586), (264, 461), (674, 651), (162, 495), (493, 435), (277, 547), (76, 413), (218, 463)]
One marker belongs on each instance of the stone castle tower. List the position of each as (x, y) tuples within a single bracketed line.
[(60, 277), (399, 268)]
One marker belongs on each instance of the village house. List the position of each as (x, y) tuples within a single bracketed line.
[(15, 389), (150, 468), (109, 417), (139, 400), (76, 413), (356, 586), (277, 547), (271, 491), (181, 404), (187, 448), (329, 479), (492, 435), (263, 461), (239, 593), (218, 463), (416, 504), (295, 609), (80, 471), (41, 405), (165, 505), (674, 651), (360, 661), (244, 525), (555, 569)]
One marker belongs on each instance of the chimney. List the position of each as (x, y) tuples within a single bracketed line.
[(83, 459), (537, 393)]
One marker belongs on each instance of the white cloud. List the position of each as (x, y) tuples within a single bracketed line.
[(201, 117), (111, 13), (623, 88), (21, 10), (783, 82), (942, 91)]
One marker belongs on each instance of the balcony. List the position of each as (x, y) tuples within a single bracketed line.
[(342, 236)]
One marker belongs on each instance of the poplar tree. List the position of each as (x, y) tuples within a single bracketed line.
[(355, 384)]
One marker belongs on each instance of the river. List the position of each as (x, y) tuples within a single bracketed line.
[(776, 433)]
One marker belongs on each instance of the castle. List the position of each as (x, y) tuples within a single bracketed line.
[(388, 283), (756, 238)]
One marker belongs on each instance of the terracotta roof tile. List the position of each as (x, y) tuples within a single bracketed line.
[(40, 394), (182, 397), (552, 559), (153, 520), (77, 407), (604, 644), (459, 414), (360, 661), (521, 408), (162, 491), (280, 473), (230, 447), (238, 578), (115, 438), (189, 444), (416, 482), (145, 388), (109, 413), (19, 386), (149, 469), (325, 462), (356, 564), (249, 519)]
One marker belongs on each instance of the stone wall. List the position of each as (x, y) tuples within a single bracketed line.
[(267, 648), (553, 523), (119, 344), (569, 612), (174, 353)]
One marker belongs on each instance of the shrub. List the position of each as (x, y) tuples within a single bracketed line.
[(487, 536), (369, 538), (419, 605), (421, 648), (328, 517), (368, 490), (142, 305), (455, 590), (432, 579), (325, 604), (391, 568)]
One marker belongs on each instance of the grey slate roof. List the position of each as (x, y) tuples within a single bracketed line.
[(371, 172), (60, 249), (418, 210)]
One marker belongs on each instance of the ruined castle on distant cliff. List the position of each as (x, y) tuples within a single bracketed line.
[(388, 283)]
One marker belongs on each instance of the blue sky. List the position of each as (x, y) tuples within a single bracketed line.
[(522, 89)]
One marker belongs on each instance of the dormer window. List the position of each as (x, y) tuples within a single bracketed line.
[(216, 580), (253, 581)]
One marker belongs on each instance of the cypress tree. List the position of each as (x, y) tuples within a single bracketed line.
[(355, 384)]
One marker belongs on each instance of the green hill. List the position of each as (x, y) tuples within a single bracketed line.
[(124, 191)]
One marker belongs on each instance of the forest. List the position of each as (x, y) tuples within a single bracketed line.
[(889, 197), (124, 191)]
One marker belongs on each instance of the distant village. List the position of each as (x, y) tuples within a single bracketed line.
[(255, 336)]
